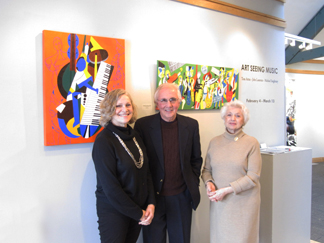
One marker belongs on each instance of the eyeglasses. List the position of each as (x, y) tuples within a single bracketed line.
[(165, 101)]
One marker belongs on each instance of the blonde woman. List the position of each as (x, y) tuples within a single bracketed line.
[(125, 196)]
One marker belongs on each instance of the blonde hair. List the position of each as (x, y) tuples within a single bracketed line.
[(108, 106), (236, 104)]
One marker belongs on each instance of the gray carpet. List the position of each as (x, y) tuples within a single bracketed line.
[(317, 220)]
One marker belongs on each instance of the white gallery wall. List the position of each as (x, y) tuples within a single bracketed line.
[(47, 193), (308, 93)]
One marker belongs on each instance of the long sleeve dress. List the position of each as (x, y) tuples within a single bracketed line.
[(234, 160)]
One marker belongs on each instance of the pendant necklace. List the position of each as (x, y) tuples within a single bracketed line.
[(138, 164)]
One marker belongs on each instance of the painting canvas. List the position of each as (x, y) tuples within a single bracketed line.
[(202, 87), (78, 70)]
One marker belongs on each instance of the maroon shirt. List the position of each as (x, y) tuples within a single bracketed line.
[(173, 180)]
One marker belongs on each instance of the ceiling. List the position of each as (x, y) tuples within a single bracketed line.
[(298, 13)]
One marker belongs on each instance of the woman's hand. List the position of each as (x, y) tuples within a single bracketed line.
[(221, 193), (148, 215), (211, 190)]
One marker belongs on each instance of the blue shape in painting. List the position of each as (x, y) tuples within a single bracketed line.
[(64, 129)]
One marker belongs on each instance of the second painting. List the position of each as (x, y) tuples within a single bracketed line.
[(201, 87)]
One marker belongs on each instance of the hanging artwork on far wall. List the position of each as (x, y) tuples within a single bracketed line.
[(201, 87), (78, 70), (290, 113)]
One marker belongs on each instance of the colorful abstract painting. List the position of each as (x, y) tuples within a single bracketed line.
[(202, 87), (78, 70)]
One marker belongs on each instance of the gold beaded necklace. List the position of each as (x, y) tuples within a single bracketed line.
[(139, 163)]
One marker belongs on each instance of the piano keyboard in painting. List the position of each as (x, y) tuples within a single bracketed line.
[(91, 114)]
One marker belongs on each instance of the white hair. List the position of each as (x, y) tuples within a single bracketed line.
[(236, 104), (166, 86)]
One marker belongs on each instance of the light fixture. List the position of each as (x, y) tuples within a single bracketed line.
[(302, 45), (305, 42)]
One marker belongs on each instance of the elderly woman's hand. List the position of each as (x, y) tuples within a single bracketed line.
[(211, 190), (221, 193)]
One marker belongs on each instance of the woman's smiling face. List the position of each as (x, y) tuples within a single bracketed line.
[(123, 113)]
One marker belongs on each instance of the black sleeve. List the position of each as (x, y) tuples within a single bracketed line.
[(196, 159), (151, 194), (104, 159)]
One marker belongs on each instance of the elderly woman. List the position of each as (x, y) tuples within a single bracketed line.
[(125, 195), (231, 174)]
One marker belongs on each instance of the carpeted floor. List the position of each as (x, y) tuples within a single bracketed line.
[(317, 219)]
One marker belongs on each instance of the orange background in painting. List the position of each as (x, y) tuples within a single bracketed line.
[(55, 46)]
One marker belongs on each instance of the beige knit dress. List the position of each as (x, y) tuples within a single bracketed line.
[(234, 160)]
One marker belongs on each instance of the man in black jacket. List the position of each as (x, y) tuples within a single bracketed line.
[(173, 146)]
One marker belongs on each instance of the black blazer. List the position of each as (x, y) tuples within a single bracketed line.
[(149, 129)]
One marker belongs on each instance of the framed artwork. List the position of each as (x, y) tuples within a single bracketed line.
[(201, 87), (78, 70)]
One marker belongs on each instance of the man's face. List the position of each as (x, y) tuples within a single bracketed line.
[(168, 103)]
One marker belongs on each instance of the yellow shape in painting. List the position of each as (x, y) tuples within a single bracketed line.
[(167, 74), (73, 130), (96, 69), (95, 45), (82, 109)]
